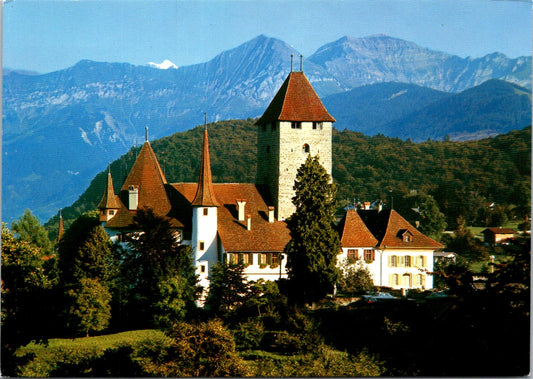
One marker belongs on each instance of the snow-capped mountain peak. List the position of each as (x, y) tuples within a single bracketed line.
[(166, 64)]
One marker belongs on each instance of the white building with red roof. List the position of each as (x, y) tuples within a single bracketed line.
[(396, 253)]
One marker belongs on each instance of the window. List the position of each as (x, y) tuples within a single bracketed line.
[(111, 212), (305, 148), (394, 261), (245, 258), (317, 125), (369, 255), (206, 211), (407, 261), (407, 280), (394, 280), (419, 280), (352, 254), (202, 269), (263, 260), (201, 245), (421, 261), (296, 125), (275, 259)]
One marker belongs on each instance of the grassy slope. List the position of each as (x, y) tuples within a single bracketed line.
[(46, 357)]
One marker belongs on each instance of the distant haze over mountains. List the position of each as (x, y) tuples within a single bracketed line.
[(61, 128)]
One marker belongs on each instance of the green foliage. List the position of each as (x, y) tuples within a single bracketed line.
[(421, 209), (199, 350), (27, 310), (89, 310), (89, 356), (314, 245), (461, 176), (85, 251), (158, 272), (324, 361), (228, 288), (28, 228), (465, 244), (355, 278)]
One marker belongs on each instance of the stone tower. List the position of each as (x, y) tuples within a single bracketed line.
[(294, 125)]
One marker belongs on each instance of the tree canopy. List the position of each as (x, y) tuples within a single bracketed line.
[(158, 271), (314, 245)]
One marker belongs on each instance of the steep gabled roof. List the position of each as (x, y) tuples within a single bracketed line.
[(148, 176), (296, 100), (263, 236), (354, 231), (205, 195), (389, 227), (110, 200)]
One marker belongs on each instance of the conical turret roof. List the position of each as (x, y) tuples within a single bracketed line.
[(110, 200), (147, 175), (296, 100), (205, 195)]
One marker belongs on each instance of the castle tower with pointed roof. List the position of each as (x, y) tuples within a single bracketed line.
[(205, 219), (110, 203), (294, 125)]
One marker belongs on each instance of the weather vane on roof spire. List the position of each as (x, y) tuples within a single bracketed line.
[(301, 63), (205, 120), (146, 134)]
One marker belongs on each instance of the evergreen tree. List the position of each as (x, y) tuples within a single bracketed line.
[(314, 244), (228, 288), (85, 251), (158, 271), (88, 271)]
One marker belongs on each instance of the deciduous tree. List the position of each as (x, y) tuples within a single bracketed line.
[(28, 228)]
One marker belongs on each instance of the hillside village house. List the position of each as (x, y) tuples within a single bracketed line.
[(493, 236), (244, 222)]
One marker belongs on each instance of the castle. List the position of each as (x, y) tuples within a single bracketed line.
[(244, 222)]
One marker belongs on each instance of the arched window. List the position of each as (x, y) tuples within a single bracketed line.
[(305, 148)]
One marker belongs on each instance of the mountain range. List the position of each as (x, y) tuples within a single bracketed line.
[(63, 127)]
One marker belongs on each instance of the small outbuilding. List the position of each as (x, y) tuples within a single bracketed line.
[(495, 236)]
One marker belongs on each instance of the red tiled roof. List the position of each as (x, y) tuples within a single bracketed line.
[(147, 174), (263, 236), (109, 200), (296, 100), (389, 227), (500, 230), (204, 193), (355, 232)]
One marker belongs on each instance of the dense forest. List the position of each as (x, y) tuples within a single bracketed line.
[(463, 177)]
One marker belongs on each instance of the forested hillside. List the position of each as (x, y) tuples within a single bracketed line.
[(462, 176)]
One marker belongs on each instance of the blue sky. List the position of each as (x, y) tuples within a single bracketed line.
[(48, 35)]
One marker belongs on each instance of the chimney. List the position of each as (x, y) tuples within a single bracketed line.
[(240, 208), (366, 205), (133, 197), (248, 222), (270, 214)]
